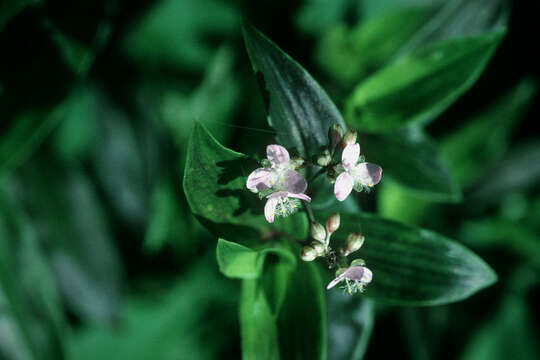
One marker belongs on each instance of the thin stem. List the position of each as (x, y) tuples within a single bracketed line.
[(309, 211), (316, 175)]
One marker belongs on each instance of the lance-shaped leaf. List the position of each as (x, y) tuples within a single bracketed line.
[(215, 188), (411, 159), (298, 108), (414, 266), (417, 88)]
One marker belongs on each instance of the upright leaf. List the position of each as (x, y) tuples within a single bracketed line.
[(413, 266), (298, 108), (417, 88), (411, 159)]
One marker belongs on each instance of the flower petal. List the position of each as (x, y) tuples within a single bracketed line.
[(300, 196), (368, 174), (293, 182), (270, 209), (278, 194), (336, 281), (260, 179), (277, 154), (343, 186), (359, 273), (350, 155)]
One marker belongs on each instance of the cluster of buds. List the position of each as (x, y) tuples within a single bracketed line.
[(321, 236)]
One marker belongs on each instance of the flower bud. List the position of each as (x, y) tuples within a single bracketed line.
[(358, 262), (349, 138), (317, 231), (319, 248), (308, 253), (324, 159), (335, 135), (332, 223), (354, 242)]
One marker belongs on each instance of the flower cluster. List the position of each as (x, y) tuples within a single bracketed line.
[(283, 187), (279, 182)]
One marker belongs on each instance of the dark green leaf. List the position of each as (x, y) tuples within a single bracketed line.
[(10, 8), (298, 108), (411, 159), (469, 151), (238, 261), (414, 266), (419, 87), (215, 187)]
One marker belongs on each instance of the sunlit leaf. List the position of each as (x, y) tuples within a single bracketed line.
[(298, 108), (414, 266), (417, 88)]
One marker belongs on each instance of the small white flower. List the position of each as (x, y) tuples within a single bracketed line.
[(356, 278), (355, 175), (285, 184)]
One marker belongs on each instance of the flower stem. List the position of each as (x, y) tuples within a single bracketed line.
[(309, 212), (317, 174)]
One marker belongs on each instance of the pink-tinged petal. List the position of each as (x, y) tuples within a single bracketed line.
[(343, 186), (278, 194), (368, 174), (336, 281), (300, 196), (260, 179), (270, 209), (359, 273), (350, 155), (293, 182), (277, 154)]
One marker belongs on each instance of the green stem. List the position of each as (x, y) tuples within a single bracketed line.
[(317, 174), (309, 211)]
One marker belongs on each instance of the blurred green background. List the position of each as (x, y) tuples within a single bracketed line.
[(100, 256)]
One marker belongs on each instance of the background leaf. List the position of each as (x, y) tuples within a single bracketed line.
[(298, 108), (419, 87)]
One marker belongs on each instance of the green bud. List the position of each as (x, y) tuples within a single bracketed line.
[(317, 231), (297, 162), (332, 223), (358, 262), (319, 248), (308, 253), (324, 159), (349, 138), (335, 135), (354, 242)]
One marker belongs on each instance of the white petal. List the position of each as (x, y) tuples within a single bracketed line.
[(293, 182), (343, 186), (270, 209), (368, 174), (260, 179), (335, 281), (359, 273), (277, 154), (300, 196), (350, 155)]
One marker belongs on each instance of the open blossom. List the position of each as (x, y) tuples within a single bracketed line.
[(280, 181), (356, 279), (355, 175)]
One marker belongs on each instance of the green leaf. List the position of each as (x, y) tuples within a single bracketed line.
[(414, 266), (294, 326), (350, 54), (215, 188), (469, 151), (410, 158), (298, 108), (10, 8), (419, 87), (30, 308), (238, 261)]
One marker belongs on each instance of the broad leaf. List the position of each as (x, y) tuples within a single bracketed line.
[(298, 108), (215, 187), (238, 261), (413, 266), (419, 87), (411, 159)]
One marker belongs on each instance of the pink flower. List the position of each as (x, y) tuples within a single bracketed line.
[(356, 175), (356, 277), (284, 184)]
